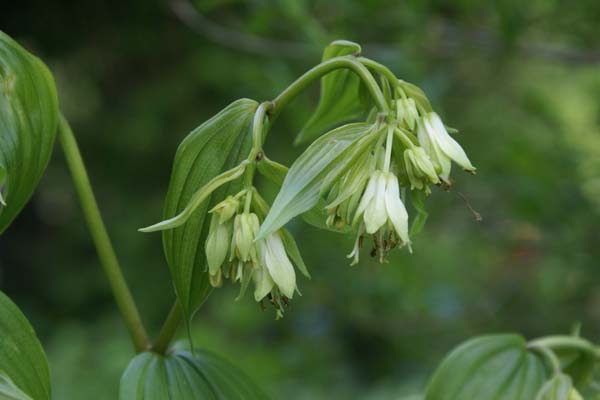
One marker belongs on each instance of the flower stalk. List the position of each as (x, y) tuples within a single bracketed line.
[(106, 253)]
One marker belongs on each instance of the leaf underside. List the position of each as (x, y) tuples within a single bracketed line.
[(214, 147), (23, 364), (183, 376), (303, 183), (498, 367), (28, 123)]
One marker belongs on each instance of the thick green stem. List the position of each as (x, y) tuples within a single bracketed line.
[(168, 330), (107, 256), (325, 67)]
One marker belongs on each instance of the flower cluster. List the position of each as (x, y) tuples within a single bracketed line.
[(413, 150), (233, 252)]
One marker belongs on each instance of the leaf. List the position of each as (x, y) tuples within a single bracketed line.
[(578, 364), (183, 376), (317, 217), (496, 367), (9, 391), (23, 365), (293, 251), (330, 154), (28, 124), (198, 199), (216, 146), (272, 170), (418, 201), (341, 98)]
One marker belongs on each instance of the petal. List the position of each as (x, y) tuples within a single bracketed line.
[(447, 144), (375, 214), (435, 152), (395, 208), (263, 284), (279, 265), (366, 197)]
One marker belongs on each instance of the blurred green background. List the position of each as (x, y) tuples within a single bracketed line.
[(520, 79)]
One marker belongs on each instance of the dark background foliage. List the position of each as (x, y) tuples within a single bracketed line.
[(521, 80)]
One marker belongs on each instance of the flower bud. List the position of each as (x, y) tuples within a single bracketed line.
[(559, 387), (226, 208), (217, 244), (406, 112), (245, 228), (419, 168)]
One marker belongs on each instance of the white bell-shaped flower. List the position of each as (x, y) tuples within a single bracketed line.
[(381, 203), (440, 146), (276, 269)]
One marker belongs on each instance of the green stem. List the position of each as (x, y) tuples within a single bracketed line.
[(168, 330), (565, 342), (107, 256), (258, 128), (549, 355), (382, 69), (325, 67)]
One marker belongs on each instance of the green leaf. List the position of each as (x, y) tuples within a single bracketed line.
[(183, 376), (293, 251), (578, 364), (216, 146), (272, 170), (9, 391), (417, 198), (28, 123), (341, 98), (23, 365), (198, 199), (329, 155), (498, 367)]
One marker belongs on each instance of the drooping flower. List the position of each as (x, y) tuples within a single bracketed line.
[(383, 214), (276, 269), (440, 146), (265, 261), (344, 197), (419, 168)]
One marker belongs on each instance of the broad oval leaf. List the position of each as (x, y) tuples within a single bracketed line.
[(183, 376), (330, 154), (341, 97), (496, 367), (24, 370), (28, 124), (219, 144)]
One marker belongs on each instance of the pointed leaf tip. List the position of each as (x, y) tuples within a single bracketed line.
[(197, 199)]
